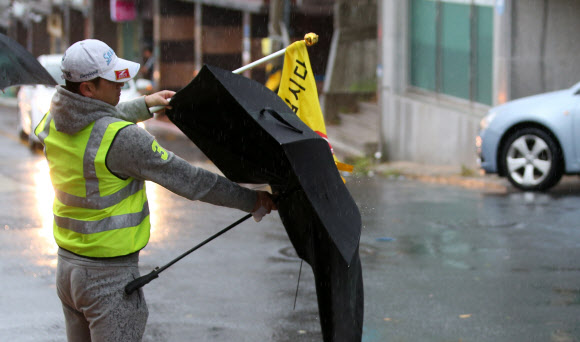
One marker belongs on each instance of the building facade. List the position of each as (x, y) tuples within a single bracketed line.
[(184, 34)]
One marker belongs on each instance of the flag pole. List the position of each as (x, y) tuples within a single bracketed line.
[(260, 61), (309, 38)]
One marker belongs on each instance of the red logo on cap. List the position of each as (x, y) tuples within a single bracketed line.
[(120, 74)]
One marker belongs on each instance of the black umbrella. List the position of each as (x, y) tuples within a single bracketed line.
[(252, 136), (18, 66)]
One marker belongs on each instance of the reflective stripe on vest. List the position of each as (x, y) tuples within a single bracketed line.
[(103, 225), (96, 213)]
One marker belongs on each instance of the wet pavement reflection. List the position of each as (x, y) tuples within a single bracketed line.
[(448, 264), (43, 195)]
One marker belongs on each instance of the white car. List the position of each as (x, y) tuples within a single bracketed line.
[(34, 100)]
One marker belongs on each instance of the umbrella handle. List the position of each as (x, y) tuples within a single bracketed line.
[(141, 281), (155, 109), (279, 117)]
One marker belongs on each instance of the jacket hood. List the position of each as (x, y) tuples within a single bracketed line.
[(72, 112)]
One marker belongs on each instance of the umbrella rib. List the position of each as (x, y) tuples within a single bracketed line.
[(298, 283)]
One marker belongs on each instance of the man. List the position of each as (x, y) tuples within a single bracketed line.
[(147, 68), (98, 163)]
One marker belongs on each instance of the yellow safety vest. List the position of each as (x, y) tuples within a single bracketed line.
[(96, 214)]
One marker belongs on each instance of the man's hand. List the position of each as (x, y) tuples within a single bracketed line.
[(159, 98), (264, 205)]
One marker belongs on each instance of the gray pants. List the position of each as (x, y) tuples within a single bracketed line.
[(93, 298)]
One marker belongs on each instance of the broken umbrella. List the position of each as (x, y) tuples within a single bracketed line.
[(252, 136)]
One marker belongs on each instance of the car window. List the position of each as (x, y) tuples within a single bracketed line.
[(55, 72)]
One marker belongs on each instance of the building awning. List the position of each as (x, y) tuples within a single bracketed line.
[(254, 6), (311, 7)]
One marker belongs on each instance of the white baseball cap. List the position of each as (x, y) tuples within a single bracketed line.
[(91, 58)]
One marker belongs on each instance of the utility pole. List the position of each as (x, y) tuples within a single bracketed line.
[(198, 34), (156, 39), (66, 25), (274, 29), (246, 41)]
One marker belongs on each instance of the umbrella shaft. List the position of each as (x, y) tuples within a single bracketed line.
[(146, 279), (161, 269)]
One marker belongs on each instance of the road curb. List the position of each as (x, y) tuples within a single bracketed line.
[(465, 182), (442, 174)]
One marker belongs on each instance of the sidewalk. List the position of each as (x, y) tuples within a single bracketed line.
[(357, 136)]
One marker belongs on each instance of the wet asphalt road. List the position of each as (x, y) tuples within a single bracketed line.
[(440, 263)]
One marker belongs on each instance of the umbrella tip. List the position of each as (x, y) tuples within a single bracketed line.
[(311, 39)]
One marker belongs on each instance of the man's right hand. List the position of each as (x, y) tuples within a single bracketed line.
[(264, 205)]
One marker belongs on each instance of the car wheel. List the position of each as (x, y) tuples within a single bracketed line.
[(532, 160)]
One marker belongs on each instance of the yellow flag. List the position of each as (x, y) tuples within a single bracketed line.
[(298, 90)]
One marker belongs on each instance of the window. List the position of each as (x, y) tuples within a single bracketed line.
[(451, 47)]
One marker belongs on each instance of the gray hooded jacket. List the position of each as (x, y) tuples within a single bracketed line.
[(131, 153)]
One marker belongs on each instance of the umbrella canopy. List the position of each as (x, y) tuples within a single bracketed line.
[(252, 136), (18, 66)]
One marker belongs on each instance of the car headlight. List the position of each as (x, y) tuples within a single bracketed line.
[(484, 123)]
